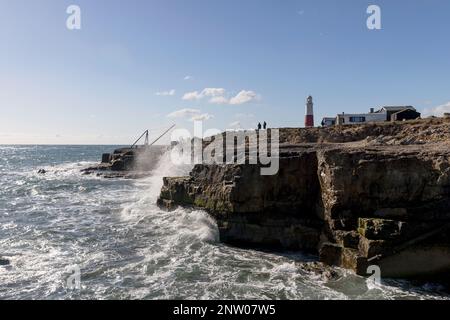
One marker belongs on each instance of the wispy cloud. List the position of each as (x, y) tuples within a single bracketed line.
[(219, 100), (235, 125), (191, 114), (213, 92), (207, 92), (166, 93), (219, 96), (437, 111), (192, 96), (202, 117), (183, 113), (244, 97), (188, 78)]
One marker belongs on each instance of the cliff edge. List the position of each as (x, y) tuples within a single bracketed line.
[(357, 196)]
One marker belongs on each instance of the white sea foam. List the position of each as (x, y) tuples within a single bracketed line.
[(126, 247)]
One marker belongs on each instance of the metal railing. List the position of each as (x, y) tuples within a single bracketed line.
[(146, 139), (134, 145)]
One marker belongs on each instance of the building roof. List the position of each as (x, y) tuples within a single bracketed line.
[(397, 108), (407, 109), (360, 114)]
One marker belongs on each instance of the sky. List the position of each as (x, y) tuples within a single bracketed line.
[(137, 65)]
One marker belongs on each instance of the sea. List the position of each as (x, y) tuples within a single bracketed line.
[(66, 235)]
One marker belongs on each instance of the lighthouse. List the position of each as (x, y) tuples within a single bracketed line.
[(309, 114)]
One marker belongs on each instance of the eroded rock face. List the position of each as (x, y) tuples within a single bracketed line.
[(384, 182), (356, 204), (276, 211), (392, 199)]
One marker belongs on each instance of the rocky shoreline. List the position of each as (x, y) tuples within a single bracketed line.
[(127, 163), (356, 196)]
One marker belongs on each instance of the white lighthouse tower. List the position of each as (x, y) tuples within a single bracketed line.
[(309, 113)]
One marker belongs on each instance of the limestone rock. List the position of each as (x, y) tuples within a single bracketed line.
[(376, 229), (371, 248), (349, 239), (354, 195), (331, 254), (134, 162)]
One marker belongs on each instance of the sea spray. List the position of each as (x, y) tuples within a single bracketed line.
[(166, 167), (185, 223), (127, 248)]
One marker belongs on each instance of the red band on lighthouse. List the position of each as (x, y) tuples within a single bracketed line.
[(309, 121), (309, 113)]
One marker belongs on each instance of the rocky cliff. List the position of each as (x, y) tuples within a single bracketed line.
[(130, 163), (355, 195)]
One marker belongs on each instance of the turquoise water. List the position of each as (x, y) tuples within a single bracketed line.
[(127, 248)]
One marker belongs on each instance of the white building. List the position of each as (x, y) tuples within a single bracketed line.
[(387, 113), (358, 118), (328, 122)]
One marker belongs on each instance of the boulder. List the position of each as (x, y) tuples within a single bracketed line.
[(106, 158), (4, 261), (118, 165)]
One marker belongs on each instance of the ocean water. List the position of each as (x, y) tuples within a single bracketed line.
[(125, 247)]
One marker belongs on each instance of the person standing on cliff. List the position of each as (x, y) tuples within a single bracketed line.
[(265, 125), (259, 126)]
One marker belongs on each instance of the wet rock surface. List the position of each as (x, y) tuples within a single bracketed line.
[(4, 261), (127, 163), (356, 196)]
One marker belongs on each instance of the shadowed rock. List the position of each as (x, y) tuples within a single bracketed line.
[(4, 262), (355, 195), (129, 163)]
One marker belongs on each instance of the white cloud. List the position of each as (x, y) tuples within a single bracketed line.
[(191, 114), (192, 96), (166, 93), (184, 113), (437, 111), (219, 100), (202, 117), (218, 96), (188, 78), (207, 92), (213, 92), (243, 97)]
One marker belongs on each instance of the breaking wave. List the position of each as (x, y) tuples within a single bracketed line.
[(127, 248)]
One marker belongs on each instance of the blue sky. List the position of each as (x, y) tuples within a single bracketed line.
[(133, 62)]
